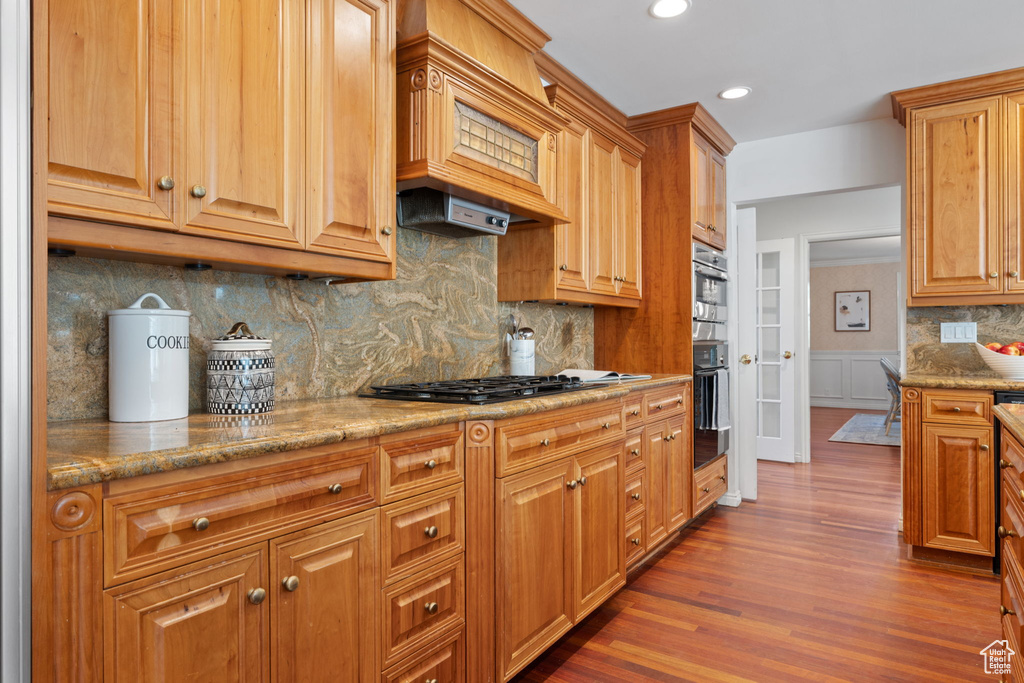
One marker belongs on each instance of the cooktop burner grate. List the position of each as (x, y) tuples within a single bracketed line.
[(480, 391)]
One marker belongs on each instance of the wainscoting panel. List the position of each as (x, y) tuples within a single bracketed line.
[(849, 379)]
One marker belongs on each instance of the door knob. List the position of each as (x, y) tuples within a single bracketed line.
[(787, 354), (745, 359)]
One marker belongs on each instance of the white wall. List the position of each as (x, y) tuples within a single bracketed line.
[(859, 155), (851, 211)]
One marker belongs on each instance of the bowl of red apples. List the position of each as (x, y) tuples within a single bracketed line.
[(1006, 359)]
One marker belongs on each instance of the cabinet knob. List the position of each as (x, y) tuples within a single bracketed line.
[(1004, 532), (201, 524), (430, 607), (606, 425), (636, 496), (572, 484), (429, 680), (679, 401), (386, 230), (722, 477), (983, 446), (636, 541), (334, 488), (430, 464), (583, 481), (290, 583), (1012, 273), (635, 412), (165, 183), (431, 531), (657, 406), (564, 266), (545, 442), (1021, 494), (1003, 611), (706, 489), (956, 409), (198, 191), (993, 274), (257, 595), (1003, 464), (635, 451)]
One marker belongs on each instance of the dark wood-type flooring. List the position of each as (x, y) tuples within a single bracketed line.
[(811, 582)]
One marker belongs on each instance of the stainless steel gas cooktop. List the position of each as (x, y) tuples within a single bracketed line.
[(482, 390)]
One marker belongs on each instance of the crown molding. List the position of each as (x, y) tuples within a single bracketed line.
[(953, 91), (693, 114), (556, 74)]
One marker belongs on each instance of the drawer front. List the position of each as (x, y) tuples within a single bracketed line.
[(1011, 455), (145, 532), (959, 407), (667, 401), (1011, 519), (522, 444), (636, 493), (420, 609), (424, 461), (635, 449), (418, 532), (444, 663), (1011, 600), (710, 484), (634, 407), (636, 539)]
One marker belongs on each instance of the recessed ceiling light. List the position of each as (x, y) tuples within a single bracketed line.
[(665, 9), (734, 93)]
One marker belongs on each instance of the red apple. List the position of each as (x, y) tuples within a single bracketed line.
[(994, 346), (1010, 350), (1019, 346)]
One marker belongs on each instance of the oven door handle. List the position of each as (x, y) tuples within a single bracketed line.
[(711, 272)]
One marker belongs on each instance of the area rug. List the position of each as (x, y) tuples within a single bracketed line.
[(869, 429)]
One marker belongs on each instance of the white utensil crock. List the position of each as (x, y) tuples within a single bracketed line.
[(521, 356), (148, 358)]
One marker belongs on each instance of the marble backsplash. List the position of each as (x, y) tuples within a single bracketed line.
[(925, 353), (439, 319)]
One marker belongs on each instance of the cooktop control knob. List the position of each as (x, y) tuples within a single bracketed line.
[(500, 222)]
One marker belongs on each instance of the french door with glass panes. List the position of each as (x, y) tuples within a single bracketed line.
[(775, 325)]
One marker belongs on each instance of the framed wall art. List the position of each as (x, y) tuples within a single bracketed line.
[(853, 311)]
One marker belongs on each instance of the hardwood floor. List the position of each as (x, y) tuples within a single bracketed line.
[(811, 582)]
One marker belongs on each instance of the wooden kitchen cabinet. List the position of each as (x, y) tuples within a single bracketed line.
[(964, 166), (708, 192), (599, 522), (596, 257), (659, 438)]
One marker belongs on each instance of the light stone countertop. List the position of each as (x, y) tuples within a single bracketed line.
[(981, 383), (82, 452), (1011, 416)]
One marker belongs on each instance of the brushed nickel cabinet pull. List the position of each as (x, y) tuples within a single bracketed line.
[(636, 541), (983, 446), (635, 451), (657, 406), (606, 425), (198, 191), (571, 484), (386, 230), (256, 595), (165, 183), (564, 266), (722, 477), (431, 531), (334, 488), (993, 274), (583, 481), (635, 413), (545, 442), (201, 524), (431, 607), (636, 496), (956, 409), (430, 464), (1012, 273), (706, 489), (290, 583)]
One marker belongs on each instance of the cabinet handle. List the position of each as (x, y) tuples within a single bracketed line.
[(431, 531), (983, 446), (198, 191), (722, 477), (429, 680), (636, 496), (572, 484), (201, 524), (431, 607), (706, 490), (1003, 464), (165, 183), (1021, 494), (430, 464), (993, 274), (1004, 532), (1003, 611), (257, 595), (583, 481), (545, 442), (635, 451), (679, 401), (657, 406), (290, 583), (636, 541), (635, 413), (334, 488), (606, 425), (386, 230), (1012, 273), (956, 409), (564, 266)]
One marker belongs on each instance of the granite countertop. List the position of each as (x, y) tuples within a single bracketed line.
[(1011, 416), (81, 452), (983, 383)]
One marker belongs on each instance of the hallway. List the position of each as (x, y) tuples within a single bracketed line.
[(808, 583)]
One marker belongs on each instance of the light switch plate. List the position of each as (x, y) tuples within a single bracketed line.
[(959, 333)]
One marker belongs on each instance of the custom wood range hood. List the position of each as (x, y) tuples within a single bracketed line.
[(473, 118)]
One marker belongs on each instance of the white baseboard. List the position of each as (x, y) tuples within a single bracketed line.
[(732, 499)]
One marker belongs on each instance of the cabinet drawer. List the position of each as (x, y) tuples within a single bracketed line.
[(424, 461), (444, 663), (667, 401), (710, 484), (1011, 520), (1011, 455), (959, 407), (419, 609), (147, 531), (418, 532), (636, 539), (522, 444), (1011, 599), (634, 449), (636, 493), (634, 407)]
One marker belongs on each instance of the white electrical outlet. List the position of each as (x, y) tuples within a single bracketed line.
[(959, 333)]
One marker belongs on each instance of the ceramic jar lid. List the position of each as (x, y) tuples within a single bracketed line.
[(163, 311), (241, 338)]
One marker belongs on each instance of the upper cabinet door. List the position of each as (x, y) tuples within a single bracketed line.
[(244, 125), (572, 240), (955, 226), (351, 161), (629, 245), (1015, 191), (111, 111), (718, 201), (601, 171), (700, 188)]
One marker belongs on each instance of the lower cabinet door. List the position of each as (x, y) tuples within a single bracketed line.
[(658, 443), (679, 473), (323, 585), (599, 524), (959, 488), (197, 624), (533, 562)]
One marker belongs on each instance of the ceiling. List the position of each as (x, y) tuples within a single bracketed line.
[(879, 249), (811, 63)]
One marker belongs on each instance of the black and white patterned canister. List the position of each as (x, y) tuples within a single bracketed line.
[(240, 374)]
